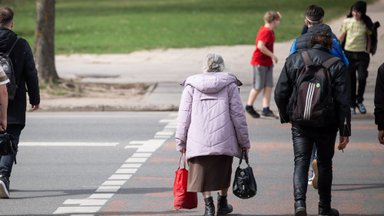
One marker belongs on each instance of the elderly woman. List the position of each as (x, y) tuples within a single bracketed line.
[(211, 130)]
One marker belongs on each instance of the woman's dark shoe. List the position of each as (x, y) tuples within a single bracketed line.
[(300, 208), (223, 207), (209, 207)]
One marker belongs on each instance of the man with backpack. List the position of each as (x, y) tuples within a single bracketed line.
[(314, 16), (312, 94), (22, 68)]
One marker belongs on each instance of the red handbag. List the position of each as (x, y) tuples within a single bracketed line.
[(182, 198)]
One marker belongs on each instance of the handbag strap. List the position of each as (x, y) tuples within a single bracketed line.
[(182, 159), (245, 156)]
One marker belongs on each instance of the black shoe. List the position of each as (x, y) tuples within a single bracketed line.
[(4, 187), (330, 212), (327, 211), (223, 207), (269, 114), (300, 208), (361, 108), (209, 207), (252, 111)]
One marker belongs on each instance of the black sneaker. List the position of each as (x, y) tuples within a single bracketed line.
[(361, 108), (4, 187), (252, 111), (269, 114)]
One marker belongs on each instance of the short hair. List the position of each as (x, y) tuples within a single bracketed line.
[(213, 63), (314, 14), (6, 16), (322, 39), (271, 16)]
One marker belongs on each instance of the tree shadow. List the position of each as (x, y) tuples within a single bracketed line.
[(59, 193), (355, 187)]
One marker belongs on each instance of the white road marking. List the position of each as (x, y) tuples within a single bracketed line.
[(80, 209), (126, 171), (85, 202), (101, 196), (113, 183), (132, 165), (120, 177), (141, 155), (135, 160), (107, 190), (69, 144)]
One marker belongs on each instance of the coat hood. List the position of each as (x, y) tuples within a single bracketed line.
[(211, 82), (7, 37)]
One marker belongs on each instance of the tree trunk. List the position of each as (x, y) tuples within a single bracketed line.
[(44, 45)]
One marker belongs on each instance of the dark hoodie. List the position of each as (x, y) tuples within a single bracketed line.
[(25, 74)]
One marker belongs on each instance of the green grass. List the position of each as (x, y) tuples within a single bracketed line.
[(122, 26)]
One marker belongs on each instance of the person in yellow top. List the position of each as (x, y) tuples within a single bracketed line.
[(355, 33)]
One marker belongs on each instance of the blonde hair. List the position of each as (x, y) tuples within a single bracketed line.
[(271, 16)]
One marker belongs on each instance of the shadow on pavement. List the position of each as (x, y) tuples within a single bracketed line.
[(58, 193), (354, 187)]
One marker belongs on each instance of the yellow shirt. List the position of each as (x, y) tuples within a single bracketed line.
[(357, 32)]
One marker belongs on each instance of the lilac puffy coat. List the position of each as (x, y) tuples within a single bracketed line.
[(211, 118)]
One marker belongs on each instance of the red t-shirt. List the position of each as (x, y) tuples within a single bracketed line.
[(268, 37)]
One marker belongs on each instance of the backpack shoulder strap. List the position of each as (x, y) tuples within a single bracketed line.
[(329, 62), (307, 60), (13, 45)]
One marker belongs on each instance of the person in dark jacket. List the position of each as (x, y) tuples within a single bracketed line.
[(27, 81), (379, 103), (306, 137)]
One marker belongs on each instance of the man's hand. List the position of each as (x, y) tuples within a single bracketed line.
[(381, 136), (275, 59), (35, 107), (3, 124), (343, 141)]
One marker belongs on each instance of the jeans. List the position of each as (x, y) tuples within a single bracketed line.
[(6, 161), (304, 139), (358, 61)]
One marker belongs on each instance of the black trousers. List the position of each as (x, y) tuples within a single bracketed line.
[(304, 139), (6, 161), (358, 63)]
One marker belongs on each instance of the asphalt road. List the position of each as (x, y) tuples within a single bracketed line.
[(123, 163)]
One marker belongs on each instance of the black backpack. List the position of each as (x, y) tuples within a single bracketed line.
[(6, 64), (311, 103)]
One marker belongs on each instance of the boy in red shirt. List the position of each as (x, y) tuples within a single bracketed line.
[(262, 62)]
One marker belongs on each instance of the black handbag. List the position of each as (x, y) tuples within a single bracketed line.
[(7, 144), (244, 183)]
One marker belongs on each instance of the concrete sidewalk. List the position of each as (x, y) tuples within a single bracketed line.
[(165, 69)]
